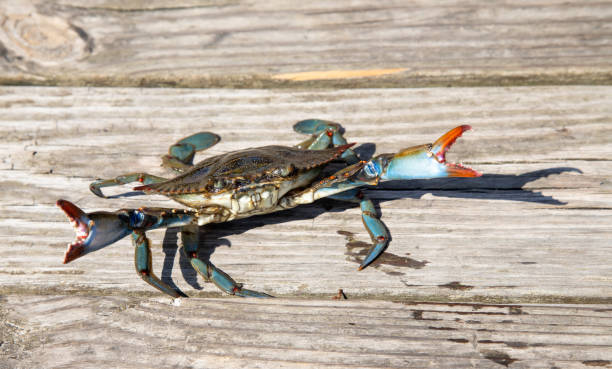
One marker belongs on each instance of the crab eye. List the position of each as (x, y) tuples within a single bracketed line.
[(370, 169)]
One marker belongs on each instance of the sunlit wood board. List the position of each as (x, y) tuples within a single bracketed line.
[(234, 43)]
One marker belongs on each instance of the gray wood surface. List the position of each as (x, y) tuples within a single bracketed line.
[(121, 332), (512, 269), (208, 43), (535, 228)]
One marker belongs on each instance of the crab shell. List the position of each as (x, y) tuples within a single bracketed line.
[(246, 182)]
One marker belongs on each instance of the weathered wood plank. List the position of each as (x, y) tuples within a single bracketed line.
[(100, 332), (318, 43), (533, 229)]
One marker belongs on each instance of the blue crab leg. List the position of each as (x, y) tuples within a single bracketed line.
[(143, 178), (180, 155), (315, 126), (143, 263), (325, 134), (375, 227), (190, 239)]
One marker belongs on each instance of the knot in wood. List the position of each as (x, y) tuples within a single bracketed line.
[(43, 40)]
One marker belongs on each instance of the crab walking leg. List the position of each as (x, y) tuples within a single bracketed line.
[(375, 227), (324, 134), (190, 239), (144, 178), (180, 155), (142, 261)]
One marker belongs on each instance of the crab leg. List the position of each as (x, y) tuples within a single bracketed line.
[(143, 263), (190, 239), (179, 157), (324, 134), (144, 178), (375, 227)]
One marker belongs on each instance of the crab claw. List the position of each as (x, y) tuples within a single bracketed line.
[(93, 231), (424, 161)]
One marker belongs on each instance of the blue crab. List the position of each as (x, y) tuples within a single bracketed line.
[(249, 182)]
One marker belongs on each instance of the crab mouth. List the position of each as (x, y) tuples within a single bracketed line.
[(439, 149), (83, 227)]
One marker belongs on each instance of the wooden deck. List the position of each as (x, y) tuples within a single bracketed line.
[(512, 269)]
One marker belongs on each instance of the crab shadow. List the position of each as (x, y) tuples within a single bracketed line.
[(499, 187)]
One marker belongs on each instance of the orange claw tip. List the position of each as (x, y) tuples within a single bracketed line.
[(82, 226), (74, 251), (75, 215), (456, 170), (442, 144), (69, 208)]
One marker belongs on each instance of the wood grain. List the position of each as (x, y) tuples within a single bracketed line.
[(512, 269), (535, 228), (121, 332), (207, 43)]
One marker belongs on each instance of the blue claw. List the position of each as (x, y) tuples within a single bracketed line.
[(144, 178), (99, 229), (424, 161), (93, 231)]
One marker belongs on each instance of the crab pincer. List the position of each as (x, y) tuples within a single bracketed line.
[(426, 161), (93, 231)]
